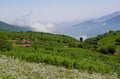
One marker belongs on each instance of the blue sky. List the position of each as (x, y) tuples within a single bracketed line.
[(55, 11)]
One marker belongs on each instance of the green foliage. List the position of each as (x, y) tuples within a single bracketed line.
[(41, 40), (90, 43), (6, 76), (107, 50), (61, 50), (107, 43), (70, 58), (117, 41), (5, 45)]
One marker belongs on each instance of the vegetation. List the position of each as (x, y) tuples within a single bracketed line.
[(5, 45), (107, 43), (11, 68), (61, 50), (117, 41)]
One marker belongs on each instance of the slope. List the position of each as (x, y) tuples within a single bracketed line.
[(107, 41), (58, 50), (7, 27), (11, 68)]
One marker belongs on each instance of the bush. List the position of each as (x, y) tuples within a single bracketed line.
[(5, 45), (117, 41), (107, 49)]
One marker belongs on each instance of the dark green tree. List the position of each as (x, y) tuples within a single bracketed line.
[(81, 39)]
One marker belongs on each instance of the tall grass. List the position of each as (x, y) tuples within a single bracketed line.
[(73, 58)]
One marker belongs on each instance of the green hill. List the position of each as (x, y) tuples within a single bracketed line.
[(107, 43), (41, 40), (7, 27), (58, 50)]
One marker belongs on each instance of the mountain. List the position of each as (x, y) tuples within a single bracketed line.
[(61, 27), (7, 27), (93, 27), (106, 17), (111, 24)]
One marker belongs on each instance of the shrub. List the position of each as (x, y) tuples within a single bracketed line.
[(117, 41), (107, 49), (5, 45)]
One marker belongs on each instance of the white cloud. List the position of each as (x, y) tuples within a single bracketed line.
[(35, 26)]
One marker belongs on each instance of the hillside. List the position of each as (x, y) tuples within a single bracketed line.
[(58, 50), (16, 69), (7, 27), (108, 41), (41, 39)]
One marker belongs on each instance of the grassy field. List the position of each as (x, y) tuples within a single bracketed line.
[(12, 68), (62, 51), (77, 58)]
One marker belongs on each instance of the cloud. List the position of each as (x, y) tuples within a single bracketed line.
[(27, 20), (35, 26)]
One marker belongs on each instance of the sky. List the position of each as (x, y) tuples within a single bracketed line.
[(46, 13)]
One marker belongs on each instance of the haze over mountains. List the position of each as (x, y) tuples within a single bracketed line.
[(94, 27), (87, 28)]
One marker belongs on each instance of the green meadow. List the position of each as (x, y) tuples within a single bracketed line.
[(100, 54)]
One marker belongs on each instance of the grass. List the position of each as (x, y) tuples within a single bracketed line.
[(109, 39), (12, 68), (62, 51), (104, 41), (72, 58)]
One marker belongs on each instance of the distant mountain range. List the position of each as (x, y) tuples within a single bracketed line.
[(7, 27), (89, 28), (94, 27)]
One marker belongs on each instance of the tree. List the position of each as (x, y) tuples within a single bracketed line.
[(81, 39)]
